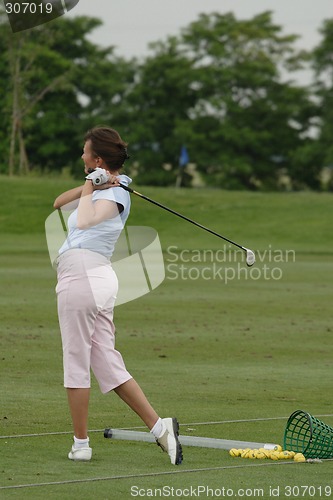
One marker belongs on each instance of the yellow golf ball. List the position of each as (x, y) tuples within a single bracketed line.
[(260, 454), (299, 457), (275, 455), (267, 453), (277, 448), (234, 452)]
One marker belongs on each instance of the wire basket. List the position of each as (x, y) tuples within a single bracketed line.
[(308, 435)]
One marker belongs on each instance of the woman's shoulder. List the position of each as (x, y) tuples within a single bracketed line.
[(117, 194), (124, 179)]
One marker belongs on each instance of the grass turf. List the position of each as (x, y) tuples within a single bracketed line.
[(255, 346)]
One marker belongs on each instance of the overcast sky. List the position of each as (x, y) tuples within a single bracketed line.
[(131, 24)]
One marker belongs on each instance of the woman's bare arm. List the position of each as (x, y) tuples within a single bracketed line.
[(69, 199), (89, 214)]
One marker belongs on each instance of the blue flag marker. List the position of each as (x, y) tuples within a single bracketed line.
[(184, 157)]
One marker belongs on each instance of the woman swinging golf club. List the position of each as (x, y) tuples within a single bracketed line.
[(86, 292)]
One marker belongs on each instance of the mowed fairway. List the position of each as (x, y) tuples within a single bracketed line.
[(231, 351)]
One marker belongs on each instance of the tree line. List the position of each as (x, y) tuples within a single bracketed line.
[(225, 88)]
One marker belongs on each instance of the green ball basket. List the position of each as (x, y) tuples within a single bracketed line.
[(308, 435)]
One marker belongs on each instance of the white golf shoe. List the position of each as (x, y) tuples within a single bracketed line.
[(169, 441), (83, 454)]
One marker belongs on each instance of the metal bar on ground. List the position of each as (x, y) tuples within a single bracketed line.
[(202, 442)]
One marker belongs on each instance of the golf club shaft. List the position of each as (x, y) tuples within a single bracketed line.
[(181, 216)]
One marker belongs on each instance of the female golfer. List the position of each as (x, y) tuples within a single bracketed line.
[(86, 292)]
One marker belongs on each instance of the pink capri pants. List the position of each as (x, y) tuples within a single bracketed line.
[(86, 292)]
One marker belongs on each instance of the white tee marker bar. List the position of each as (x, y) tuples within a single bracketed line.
[(201, 442)]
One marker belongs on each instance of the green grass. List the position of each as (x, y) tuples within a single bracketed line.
[(208, 350)]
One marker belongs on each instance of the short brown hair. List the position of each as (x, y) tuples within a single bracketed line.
[(108, 145)]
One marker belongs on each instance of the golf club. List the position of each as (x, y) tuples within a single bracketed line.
[(250, 257)]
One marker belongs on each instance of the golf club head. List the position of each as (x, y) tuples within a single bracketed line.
[(250, 257)]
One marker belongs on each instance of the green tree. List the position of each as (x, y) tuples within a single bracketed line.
[(32, 70), (5, 102), (220, 88), (59, 84), (162, 95), (316, 151), (95, 94), (320, 151)]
